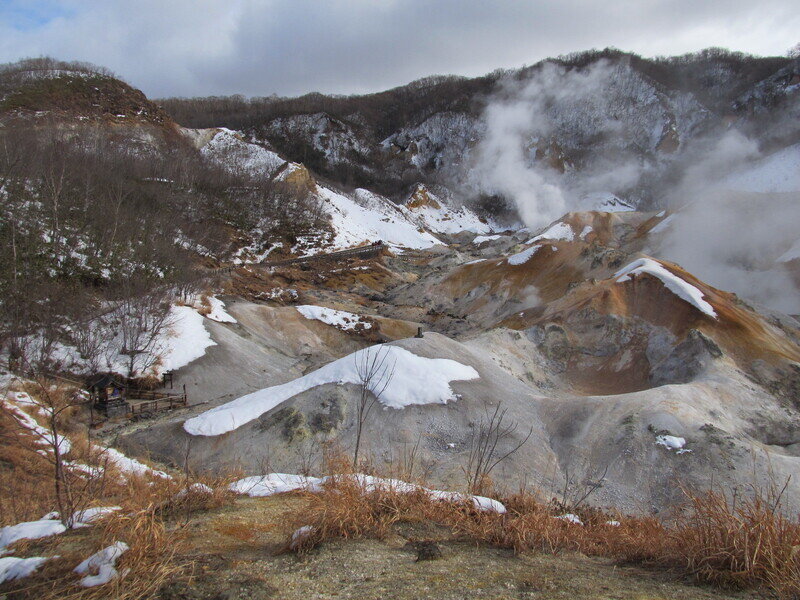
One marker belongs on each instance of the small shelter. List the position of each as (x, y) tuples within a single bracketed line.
[(109, 394)]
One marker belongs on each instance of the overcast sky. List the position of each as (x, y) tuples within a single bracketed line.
[(289, 47)]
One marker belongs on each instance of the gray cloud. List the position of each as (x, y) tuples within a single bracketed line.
[(200, 47)]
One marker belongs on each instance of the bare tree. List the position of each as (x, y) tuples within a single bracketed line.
[(485, 452), (141, 321), (582, 478), (375, 373), (74, 484)]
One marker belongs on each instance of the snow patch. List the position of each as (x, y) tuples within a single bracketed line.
[(570, 518), (83, 518), (372, 218), (187, 341), (261, 486), (29, 530), (42, 435), (673, 283), (480, 239), (559, 231), (99, 568), (12, 567), (131, 465), (218, 312), (671, 442), (522, 257), (277, 483), (346, 321), (416, 380)]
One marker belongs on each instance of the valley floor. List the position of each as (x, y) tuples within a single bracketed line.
[(234, 554)]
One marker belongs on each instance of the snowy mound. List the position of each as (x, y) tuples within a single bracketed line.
[(415, 380), (227, 148), (673, 283)]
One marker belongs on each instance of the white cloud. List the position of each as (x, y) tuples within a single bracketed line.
[(198, 47)]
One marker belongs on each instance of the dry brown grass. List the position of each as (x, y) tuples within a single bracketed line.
[(739, 542), (152, 522), (714, 540)]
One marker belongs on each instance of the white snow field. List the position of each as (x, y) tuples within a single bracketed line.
[(130, 465), (261, 486), (479, 239), (444, 219), (42, 435), (228, 148), (187, 341), (416, 380), (218, 312), (29, 530), (673, 283)]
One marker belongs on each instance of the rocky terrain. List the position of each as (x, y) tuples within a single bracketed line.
[(615, 368)]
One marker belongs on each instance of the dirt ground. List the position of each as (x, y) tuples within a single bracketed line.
[(232, 554)]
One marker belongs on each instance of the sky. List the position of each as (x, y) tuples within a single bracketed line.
[(291, 47)]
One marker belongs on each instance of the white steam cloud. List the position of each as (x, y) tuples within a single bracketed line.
[(561, 136), (520, 157), (731, 227)]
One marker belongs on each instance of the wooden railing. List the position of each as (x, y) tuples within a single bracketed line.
[(143, 401)]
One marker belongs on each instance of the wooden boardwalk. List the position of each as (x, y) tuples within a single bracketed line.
[(361, 252)]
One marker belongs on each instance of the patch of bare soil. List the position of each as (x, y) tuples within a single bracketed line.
[(234, 553)]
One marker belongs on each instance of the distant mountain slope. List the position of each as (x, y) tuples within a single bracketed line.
[(418, 132)]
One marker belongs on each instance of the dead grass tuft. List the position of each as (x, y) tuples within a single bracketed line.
[(738, 542)]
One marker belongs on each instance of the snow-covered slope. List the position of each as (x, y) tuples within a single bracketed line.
[(356, 218), (367, 217), (229, 148), (776, 173), (435, 214)]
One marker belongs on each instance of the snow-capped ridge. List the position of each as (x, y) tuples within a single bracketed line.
[(684, 290)]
